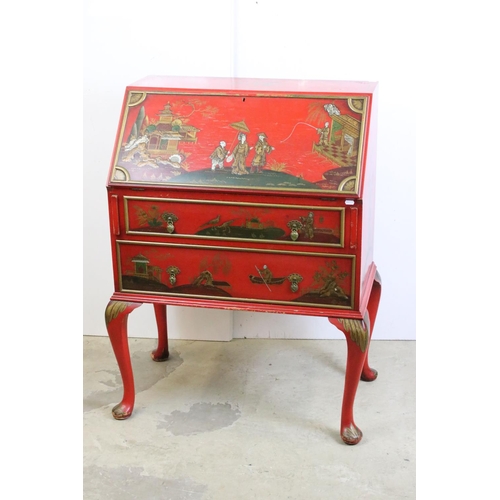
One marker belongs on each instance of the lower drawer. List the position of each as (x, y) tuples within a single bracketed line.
[(237, 274)]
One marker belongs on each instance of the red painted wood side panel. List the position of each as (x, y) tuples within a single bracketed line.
[(367, 228)]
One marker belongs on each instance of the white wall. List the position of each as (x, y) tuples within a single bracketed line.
[(126, 40)]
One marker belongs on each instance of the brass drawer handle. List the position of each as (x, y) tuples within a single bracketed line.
[(295, 226), (173, 271), (295, 279), (170, 219)]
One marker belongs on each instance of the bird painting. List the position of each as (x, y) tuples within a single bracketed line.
[(212, 222)]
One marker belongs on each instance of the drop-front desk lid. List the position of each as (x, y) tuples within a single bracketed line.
[(248, 134)]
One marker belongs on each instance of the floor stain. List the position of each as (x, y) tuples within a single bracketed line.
[(150, 373), (201, 417)]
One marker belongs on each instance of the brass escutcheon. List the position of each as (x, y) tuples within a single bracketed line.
[(295, 279), (295, 226), (173, 271), (170, 219)]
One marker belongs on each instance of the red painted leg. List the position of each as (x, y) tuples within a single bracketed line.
[(161, 352), (369, 374), (116, 323), (358, 334)]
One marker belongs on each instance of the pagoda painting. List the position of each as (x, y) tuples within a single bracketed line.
[(155, 144), (231, 141)]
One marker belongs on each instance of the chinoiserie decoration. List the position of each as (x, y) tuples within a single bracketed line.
[(243, 184)]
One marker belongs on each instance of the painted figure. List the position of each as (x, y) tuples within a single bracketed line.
[(323, 134), (262, 148), (219, 155), (240, 153), (266, 274), (308, 225)]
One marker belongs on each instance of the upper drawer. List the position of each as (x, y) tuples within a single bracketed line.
[(267, 223)]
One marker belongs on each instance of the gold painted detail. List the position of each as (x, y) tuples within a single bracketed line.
[(356, 104), (348, 184), (351, 434), (120, 174), (204, 278), (113, 309), (136, 98), (357, 330), (119, 412)]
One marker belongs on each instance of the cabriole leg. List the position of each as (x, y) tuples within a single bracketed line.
[(116, 316), (161, 352), (358, 335)]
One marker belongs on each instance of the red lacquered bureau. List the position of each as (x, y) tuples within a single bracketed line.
[(246, 194)]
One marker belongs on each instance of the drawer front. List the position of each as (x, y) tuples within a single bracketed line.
[(237, 274), (267, 223)]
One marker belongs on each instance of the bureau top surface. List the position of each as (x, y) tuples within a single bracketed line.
[(244, 134)]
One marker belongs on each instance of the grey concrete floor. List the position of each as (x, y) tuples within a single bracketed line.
[(248, 419)]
